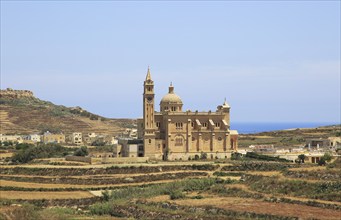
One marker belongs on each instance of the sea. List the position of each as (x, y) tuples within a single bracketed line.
[(256, 127)]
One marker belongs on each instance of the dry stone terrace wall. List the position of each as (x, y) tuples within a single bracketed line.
[(102, 171), (80, 203), (328, 175), (259, 166), (101, 181)]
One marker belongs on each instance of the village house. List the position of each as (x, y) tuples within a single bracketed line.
[(11, 138), (53, 138), (36, 138), (89, 138), (76, 138)]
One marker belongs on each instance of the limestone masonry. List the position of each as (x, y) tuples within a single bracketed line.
[(172, 134)]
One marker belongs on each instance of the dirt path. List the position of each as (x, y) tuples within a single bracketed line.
[(45, 195)]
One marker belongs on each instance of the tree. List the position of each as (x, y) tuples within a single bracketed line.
[(98, 142), (82, 151), (327, 157), (203, 156), (236, 156), (27, 152), (301, 158), (324, 159)]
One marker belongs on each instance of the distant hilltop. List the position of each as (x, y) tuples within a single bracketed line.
[(11, 93), (23, 113)]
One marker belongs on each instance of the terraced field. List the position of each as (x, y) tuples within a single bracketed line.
[(233, 190)]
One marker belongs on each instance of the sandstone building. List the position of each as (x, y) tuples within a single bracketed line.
[(172, 134)]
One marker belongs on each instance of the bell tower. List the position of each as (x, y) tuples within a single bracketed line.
[(148, 117)]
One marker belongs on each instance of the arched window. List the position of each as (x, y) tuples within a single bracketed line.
[(179, 141)]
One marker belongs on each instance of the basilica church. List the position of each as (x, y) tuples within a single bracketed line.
[(174, 134)]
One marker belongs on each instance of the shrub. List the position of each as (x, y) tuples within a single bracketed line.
[(254, 155), (203, 156), (197, 197), (176, 194), (26, 211), (301, 158), (31, 152), (98, 142), (82, 151), (106, 195), (236, 156)]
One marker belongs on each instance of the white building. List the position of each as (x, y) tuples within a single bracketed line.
[(34, 137), (11, 138)]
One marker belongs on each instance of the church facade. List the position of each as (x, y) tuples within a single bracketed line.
[(172, 134)]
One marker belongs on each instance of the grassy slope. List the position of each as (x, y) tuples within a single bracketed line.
[(296, 137), (31, 115)]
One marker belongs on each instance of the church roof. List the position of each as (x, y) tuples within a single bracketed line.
[(171, 97)]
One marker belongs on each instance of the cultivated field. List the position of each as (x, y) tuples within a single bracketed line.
[(204, 190)]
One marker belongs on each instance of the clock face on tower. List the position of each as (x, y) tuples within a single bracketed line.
[(149, 99)]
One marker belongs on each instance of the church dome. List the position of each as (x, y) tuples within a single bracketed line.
[(171, 97)]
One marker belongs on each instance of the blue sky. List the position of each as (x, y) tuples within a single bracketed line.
[(274, 61)]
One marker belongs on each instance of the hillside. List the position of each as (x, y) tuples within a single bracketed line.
[(291, 137), (22, 113)]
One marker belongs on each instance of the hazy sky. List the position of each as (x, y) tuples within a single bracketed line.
[(274, 61)]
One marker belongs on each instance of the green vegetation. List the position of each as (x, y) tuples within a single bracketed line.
[(82, 151), (219, 173), (98, 142), (301, 158), (162, 189), (176, 194), (29, 152), (273, 185), (258, 166), (254, 156), (105, 148), (327, 157), (323, 174)]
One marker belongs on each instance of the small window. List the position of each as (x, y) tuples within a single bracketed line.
[(150, 141), (192, 124), (178, 125), (157, 124), (217, 124), (204, 124)]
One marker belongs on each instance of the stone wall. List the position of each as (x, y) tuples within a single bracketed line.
[(96, 160), (78, 159), (16, 93)]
